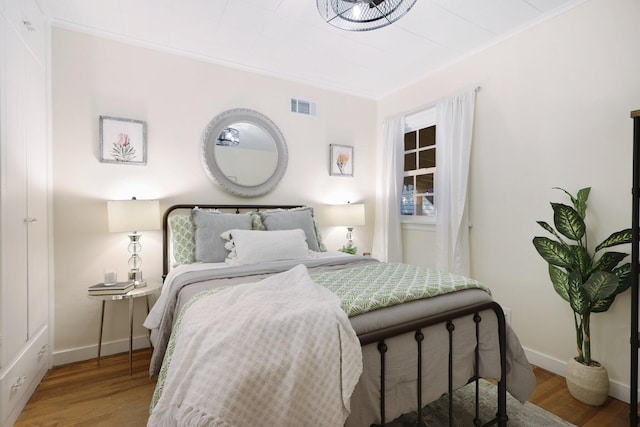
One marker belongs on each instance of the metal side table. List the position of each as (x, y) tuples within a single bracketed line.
[(145, 291)]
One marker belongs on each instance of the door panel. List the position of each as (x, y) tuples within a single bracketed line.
[(37, 181), (13, 199)]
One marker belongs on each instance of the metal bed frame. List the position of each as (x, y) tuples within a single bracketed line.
[(379, 337), (448, 320), (235, 208)]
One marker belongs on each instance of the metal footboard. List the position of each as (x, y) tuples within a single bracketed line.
[(448, 320)]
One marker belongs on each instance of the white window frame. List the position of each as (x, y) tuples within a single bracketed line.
[(413, 122)]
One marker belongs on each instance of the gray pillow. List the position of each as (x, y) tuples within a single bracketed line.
[(280, 219), (209, 246)]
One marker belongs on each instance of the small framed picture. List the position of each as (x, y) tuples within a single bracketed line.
[(123, 141), (341, 160)]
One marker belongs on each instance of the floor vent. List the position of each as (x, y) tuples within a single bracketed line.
[(306, 108)]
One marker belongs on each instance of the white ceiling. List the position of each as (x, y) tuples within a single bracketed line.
[(289, 39)]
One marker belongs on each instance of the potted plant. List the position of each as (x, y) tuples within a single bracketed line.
[(349, 249), (589, 281)]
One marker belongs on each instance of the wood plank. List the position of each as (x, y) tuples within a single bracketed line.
[(83, 394)]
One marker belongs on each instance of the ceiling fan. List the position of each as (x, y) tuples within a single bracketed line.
[(363, 15)]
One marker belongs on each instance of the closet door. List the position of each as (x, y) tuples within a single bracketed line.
[(24, 236), (37, 183), (13, 201)]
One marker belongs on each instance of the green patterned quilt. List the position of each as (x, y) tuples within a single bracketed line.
[(363, 289)]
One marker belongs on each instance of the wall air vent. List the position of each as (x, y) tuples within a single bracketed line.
[(306, 108)]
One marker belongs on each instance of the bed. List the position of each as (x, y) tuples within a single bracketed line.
[(419, 333)]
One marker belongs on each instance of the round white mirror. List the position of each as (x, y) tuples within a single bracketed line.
[(244, 152)]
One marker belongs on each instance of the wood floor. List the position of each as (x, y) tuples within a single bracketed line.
[(551, 394), (82, 394)]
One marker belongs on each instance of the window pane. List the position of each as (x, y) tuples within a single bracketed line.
[(417, 198), (410, 141), (424, 183), (427, 136), (407, 202), (427, 208), (427, 158), (410, 162)]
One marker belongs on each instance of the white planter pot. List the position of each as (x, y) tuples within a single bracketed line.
[(588, 384)]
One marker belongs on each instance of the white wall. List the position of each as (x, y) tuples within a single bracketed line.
[(177, 97), (553, 110)]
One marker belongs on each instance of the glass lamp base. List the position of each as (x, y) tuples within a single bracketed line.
[(135, 276)]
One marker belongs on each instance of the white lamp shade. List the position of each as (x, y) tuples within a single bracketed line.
[(133, 215), (348, 215)]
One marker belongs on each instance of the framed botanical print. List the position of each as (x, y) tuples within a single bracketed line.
[(123, 141), (341, 160)]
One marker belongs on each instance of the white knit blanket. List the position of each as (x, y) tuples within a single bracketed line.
[(280, 352)]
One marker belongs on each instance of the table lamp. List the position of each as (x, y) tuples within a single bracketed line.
[(133, 216), (348, 215)]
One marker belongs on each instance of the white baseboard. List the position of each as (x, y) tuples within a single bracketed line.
[(91, 352), (545, 362), (617, 389)]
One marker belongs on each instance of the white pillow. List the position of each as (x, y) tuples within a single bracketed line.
[(253, 246)]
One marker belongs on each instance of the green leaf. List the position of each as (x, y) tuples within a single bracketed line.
[(624, 278), (608, 261), (546, 226), (624, 282), (553, 252), (559, 279), (601, 285), (582, 260), (581, 203), (617, 238), (550, 229), (623, 271), (602, 305), (568, 221), (578, 297)]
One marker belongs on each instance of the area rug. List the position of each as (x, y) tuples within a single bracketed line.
[(437, 413)]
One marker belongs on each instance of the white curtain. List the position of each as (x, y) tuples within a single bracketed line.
[(454, 129), (387, 238)]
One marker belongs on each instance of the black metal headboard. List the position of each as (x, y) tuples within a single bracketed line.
[(237, 208)]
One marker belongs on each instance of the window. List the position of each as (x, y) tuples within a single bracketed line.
[(417, 198)]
